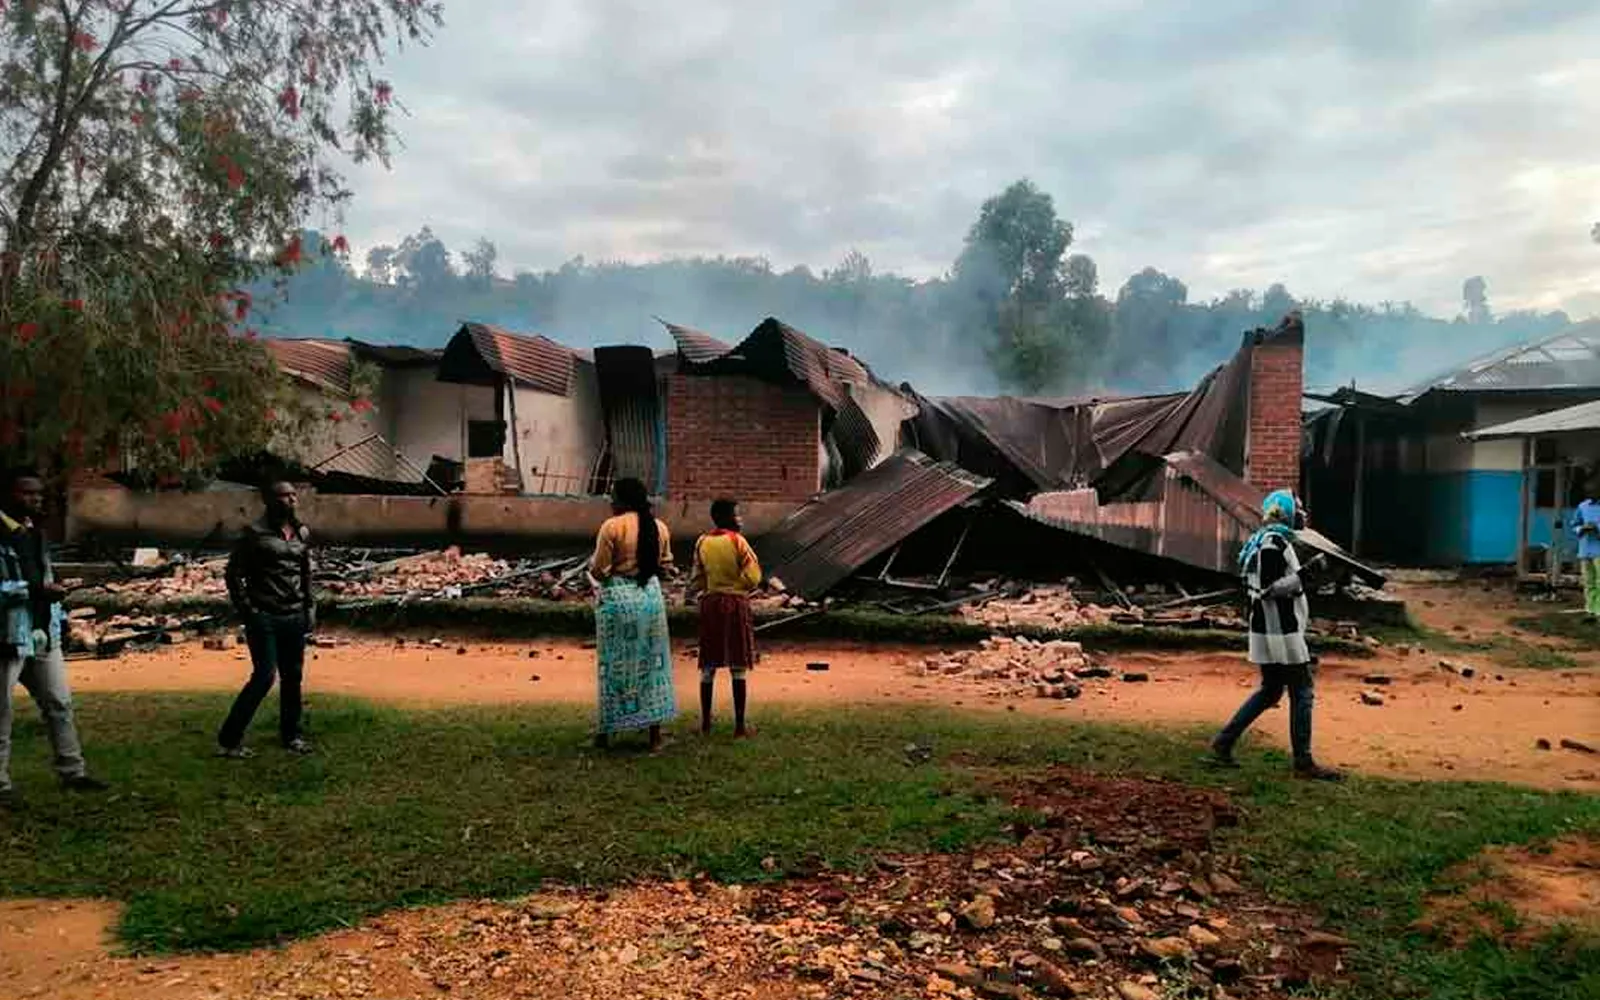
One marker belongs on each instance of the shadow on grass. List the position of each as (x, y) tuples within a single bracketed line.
[(410, 808)]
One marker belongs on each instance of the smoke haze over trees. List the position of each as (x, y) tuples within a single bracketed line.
[(1017, 311)]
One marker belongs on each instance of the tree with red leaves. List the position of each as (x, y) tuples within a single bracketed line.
[(155, 157)]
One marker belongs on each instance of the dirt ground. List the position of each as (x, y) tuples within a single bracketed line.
[(1516, 893), (1131, 861), (687, 941), (1432, 724)]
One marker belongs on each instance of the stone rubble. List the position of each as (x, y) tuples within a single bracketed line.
[(1019, 667)]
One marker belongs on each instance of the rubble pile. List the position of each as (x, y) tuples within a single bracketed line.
[(1036, 606), (438, 575), (86, 632), (1116, 893), (196, 579), (449, 574), (1017, 666)]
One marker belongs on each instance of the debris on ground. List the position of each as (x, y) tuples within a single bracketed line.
[(1036, 606), (1016, 666), (1113, 889)]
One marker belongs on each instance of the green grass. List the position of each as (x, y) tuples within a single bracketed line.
[(411, 808), (500, 618), (1509, 651), (1577, 630)]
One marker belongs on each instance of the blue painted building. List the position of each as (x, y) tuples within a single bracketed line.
[(1404, 481)]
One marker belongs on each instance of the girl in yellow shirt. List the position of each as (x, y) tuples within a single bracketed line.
[(726, 572)]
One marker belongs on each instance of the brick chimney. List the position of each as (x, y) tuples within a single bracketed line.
[(1277, 378)]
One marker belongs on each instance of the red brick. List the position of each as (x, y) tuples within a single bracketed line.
[(1272, 448), (739, 437)]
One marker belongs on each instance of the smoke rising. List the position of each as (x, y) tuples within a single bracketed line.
[(920, 332)]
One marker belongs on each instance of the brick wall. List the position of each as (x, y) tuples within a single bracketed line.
[(1277, 378), (735, 436)]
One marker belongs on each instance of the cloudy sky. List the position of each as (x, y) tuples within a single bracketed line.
[(1377, 149)]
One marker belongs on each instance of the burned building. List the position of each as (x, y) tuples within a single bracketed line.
[(838, 468)]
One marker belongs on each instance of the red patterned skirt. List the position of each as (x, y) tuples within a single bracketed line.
[(727, 632)]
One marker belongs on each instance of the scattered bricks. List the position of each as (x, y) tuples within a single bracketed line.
[(219, 643), (1377, 680), (817, 667), (1541, 744), (1135, 677), (1371, 698), (1577, 747)]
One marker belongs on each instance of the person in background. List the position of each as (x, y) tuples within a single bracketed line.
[(726, 572), (269, 583), (632, 645), (30, 648), (1279, 613), (1586, 523)]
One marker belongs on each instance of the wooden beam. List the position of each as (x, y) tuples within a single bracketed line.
[(516, 439)]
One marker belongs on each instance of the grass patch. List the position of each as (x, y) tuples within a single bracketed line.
[(1509, 651), (412, 808), (1577, 630), (492, 618)]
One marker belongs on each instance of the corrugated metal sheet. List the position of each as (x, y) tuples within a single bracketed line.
[(630, 399), (777, 352), (1200, 516), (1568, 360), (855, 438), (1030, 445), (1184, 524), (373, 458), (1583, 417), (324, 364), (478, 353), (396, 355), (694, 346), (837, 533)]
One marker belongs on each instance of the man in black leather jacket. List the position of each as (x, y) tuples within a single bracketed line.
[(269, 582)]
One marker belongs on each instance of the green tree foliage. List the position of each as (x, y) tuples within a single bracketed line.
[(1012, 279), (155, 157)]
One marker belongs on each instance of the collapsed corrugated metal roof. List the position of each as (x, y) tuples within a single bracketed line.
[(1032, 444), (371, 458), (838, 532), (396, 355), (323, 364), (844, 388), (1194, 511), (694, 346), (480, 354), (776, 352)]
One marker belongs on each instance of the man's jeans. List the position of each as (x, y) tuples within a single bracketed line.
[(277, 648), (1274, 679), (45, 677)]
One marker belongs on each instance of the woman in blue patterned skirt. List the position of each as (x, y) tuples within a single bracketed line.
[(632, 644)]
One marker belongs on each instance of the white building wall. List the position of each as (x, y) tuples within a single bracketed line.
[(560, 437), (426, 417)]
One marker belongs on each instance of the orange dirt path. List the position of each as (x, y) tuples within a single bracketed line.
[(1419, 732)]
